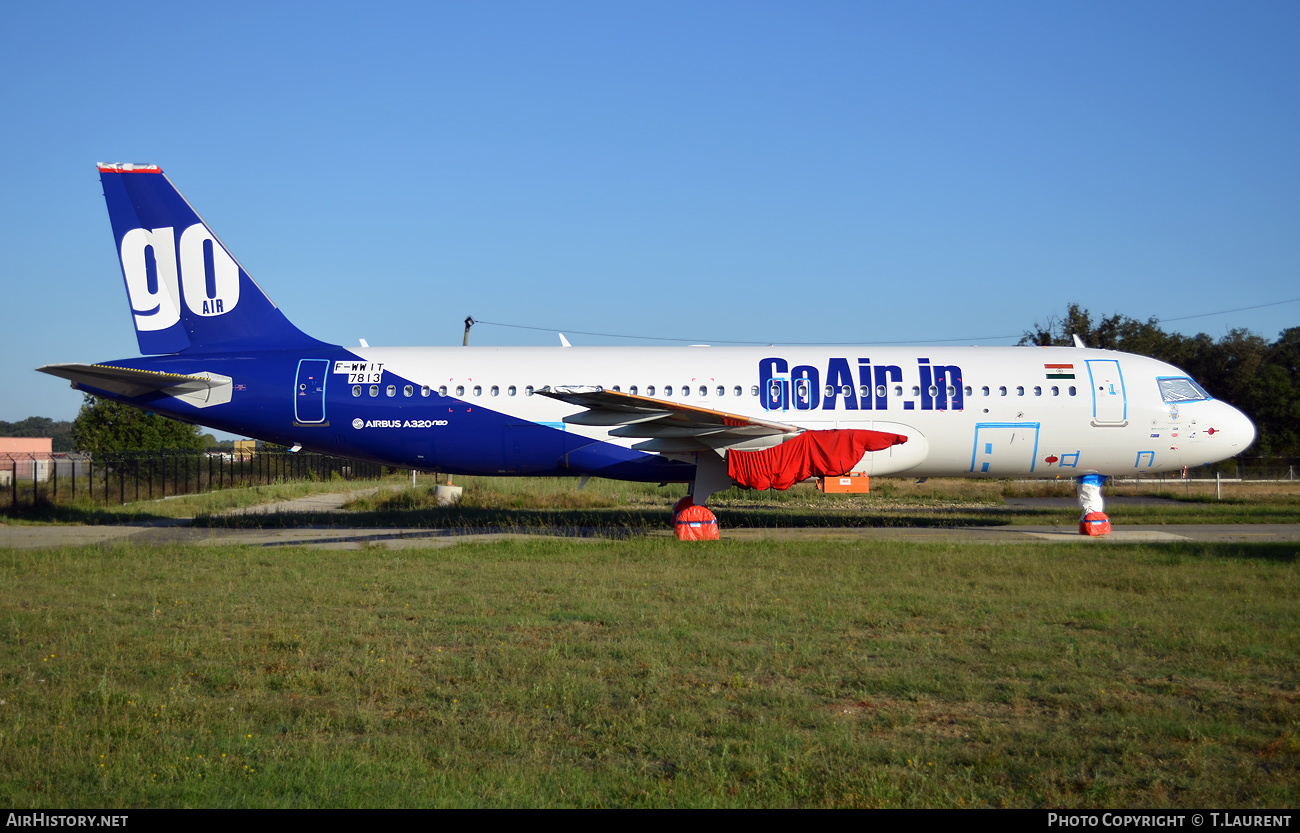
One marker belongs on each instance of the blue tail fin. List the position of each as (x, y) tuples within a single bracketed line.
[(186, 291)]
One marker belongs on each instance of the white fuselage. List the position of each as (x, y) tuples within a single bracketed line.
[(973, 411)]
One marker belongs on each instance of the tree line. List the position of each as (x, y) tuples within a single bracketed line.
[(104, 426), (60, 431), (1261, 378)]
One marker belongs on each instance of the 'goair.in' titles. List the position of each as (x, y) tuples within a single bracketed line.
[(219, 353), (799, 388)]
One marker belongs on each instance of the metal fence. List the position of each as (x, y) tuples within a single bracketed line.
[(1238, 468), (32, 479)]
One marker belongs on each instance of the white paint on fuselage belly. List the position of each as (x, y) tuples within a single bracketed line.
[(1066, 423)]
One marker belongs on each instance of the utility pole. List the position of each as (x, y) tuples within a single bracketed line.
[(469, 322)]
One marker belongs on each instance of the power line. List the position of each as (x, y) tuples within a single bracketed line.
[(1226, 311), (726, 341), (603, 335), (843, 343)]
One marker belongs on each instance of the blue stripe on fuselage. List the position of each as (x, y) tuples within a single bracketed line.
[(442, 433)]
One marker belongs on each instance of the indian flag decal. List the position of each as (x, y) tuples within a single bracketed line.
[(1059, 371)]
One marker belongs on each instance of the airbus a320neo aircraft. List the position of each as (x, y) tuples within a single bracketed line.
[(219, 353)]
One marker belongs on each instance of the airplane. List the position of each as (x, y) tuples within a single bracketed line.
[(220, 353)]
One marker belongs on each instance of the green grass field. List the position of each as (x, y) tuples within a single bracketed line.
[(644, 672)]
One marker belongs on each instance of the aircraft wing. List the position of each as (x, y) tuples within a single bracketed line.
[(199, 389), (667, 426)]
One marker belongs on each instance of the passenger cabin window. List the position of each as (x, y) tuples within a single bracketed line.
[(722, 391), (391, 390), (650, 390), (511, 390), (408, 390), (356, 390), (1002, 390), (916, 391), (1038, 391), (1056, 391), (424, 390), (704, 392), (881, 390), (985, 390), (668, 390), (374, 390), (753, 390), (478, 390), (969, 391), (1072, 390), (496, 391), (1020, 390), (442, 390), (528, 391), (632, 390), (460, 390), (898, 390)]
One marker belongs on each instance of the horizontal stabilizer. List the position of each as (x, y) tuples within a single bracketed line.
[(202, 390)]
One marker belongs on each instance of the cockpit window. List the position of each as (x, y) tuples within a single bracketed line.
[(1181, 389)]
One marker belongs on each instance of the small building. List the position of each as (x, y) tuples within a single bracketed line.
[(25, 458)]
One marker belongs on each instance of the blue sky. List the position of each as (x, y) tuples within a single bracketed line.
[(765, 172)]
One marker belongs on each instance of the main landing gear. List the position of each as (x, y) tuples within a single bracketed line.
[(694, 523), (1092, 516), (692, 520)]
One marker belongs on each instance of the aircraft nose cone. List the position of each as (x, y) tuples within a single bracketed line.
[(1239, 429)]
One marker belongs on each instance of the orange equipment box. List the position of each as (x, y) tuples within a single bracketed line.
[(851, 483)]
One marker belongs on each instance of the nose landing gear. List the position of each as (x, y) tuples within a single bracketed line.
[(1092, 520)]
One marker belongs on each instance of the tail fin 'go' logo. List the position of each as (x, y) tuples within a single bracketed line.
[(207, 277)]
